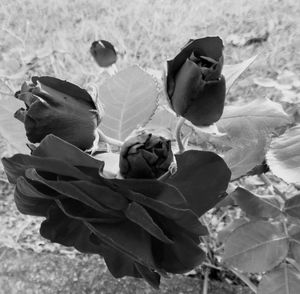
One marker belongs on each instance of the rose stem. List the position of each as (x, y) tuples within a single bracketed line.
[(205, 282), (179, 125), (109, 140)]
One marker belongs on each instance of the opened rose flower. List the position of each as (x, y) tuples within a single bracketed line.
[(143, 228)]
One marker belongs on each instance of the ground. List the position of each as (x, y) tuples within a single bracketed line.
[(53, 38)]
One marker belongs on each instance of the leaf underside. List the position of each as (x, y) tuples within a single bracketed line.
[(130, 98)]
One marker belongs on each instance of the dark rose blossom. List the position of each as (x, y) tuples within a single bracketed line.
[(143, 228), (104, 53), (195, 85), (145, 156), (58, 107)]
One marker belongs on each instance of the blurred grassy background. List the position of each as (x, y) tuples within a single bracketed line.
[(53, 38)]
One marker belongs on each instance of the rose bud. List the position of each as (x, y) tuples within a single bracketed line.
[(58, 107), (145, 156), (104, 53), (195, 85)]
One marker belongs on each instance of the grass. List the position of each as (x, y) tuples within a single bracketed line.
[(53, 38)]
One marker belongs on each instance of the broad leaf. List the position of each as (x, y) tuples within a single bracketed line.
[(162, 118), (256, 247), (130, 98), (233, 71), (283, 280), (248, 129), (11, 129), (255, 205), (284, 156), (292, 206), (295, 246), (226, 231), (5, 90)]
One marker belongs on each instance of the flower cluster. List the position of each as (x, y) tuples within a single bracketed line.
[(144, 223)]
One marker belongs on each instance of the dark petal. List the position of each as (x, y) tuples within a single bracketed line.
[(20, 115), (199, 101), (121, 265), (215, 74), (139, 215), (53, 146), (123, 165), (133, 144), (28, 98), (208, 107), (165, 200), (202, 177), (189, 87), (144, 156), (98, 197), (138, 167), (128, 238), (44, 97), (181, 256), (36, 190), (27, 87), (79, 211), (61, 229), (104, 53), (16, 165), (66, 88), (76, 127), (30, 201), (152, 189), (150, 276), (149, 156), (210, 46)]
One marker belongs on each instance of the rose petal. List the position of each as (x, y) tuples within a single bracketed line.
[(16, 165), (66, 88), (96, 196), (202, 177), (210, 47), (128, 238), (30, 201), (61, 229), (141, 217)]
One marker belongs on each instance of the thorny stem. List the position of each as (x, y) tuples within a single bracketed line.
[(267, 181), (109, 140), (179, 125)]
